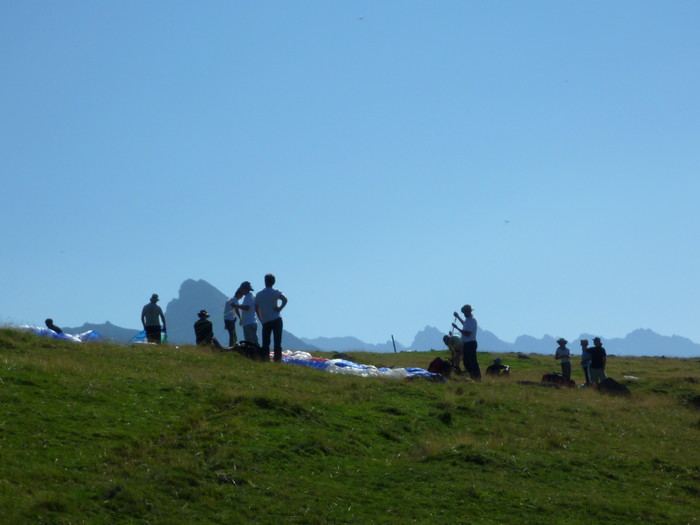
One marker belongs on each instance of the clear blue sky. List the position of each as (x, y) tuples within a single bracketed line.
[(389, 161)]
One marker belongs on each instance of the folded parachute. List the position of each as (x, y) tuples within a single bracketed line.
[(86, 337), (342, 366)]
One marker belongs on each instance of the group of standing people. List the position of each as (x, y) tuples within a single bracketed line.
[(463, 348), (593, 360), (243, 306), (265, 306)]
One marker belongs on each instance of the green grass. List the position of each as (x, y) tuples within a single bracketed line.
[(102, 433)]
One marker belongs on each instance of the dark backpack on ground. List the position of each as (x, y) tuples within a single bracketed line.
[(558, 379), (440, 366), (612, 387), (251, 351)]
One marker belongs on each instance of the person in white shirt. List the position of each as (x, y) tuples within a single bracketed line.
[(248, 320), (230, 316), (468, 331), (269, 302)]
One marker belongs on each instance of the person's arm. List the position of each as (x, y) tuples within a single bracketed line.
[(162, 318), (257, 311), (458, 317), (464, 332), (143, 319), (284, 303)]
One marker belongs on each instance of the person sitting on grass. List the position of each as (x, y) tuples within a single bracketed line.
[(497, 368), (204, 331), (53, 327)]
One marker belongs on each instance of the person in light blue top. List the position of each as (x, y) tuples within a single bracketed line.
[(269, 302)]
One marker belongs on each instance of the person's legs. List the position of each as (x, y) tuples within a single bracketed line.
[(597, 375), (566, 370), (465, 359), (457, 358), (277, 337), (470, 361), (587, 373), (153, 334), (250, 333), (266, 332), (231, 329)]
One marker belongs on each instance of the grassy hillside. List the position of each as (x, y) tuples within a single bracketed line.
[(103, 433)]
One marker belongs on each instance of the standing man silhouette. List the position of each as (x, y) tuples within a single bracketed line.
[(468, 331), (151, 315), (268, 305)]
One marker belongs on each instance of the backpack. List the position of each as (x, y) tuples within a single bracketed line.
[(440, 366), (558, 379), (250, 350)]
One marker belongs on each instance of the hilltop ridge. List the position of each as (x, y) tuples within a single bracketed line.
[(195, 295)]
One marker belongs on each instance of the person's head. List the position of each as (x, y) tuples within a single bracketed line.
[(584, 343), (49, 322), (561, 341), (245, 287), (446, 339), (467, 310), (155, 298), (239, 293), (497, 361), (269, 280), (203, 314), (596, 341)]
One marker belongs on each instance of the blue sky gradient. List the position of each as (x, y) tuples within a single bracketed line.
[(388, 161)]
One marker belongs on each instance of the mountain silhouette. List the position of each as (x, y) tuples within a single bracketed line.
[(193, 296)]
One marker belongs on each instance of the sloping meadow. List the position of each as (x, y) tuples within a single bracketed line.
[(106, 433)]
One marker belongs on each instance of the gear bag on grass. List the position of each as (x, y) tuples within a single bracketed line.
[(251, 351)]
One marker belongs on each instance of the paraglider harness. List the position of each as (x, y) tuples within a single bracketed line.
[(250, 350)]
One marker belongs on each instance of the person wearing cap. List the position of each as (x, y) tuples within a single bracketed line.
[(248, 319), (599, 359), (469, 346), (151, 316), (455, 346), (231, 313), (204, 331), (269, 302), (564, 356)]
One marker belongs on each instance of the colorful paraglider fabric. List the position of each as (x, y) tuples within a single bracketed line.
[(342, 366), (90, 336)]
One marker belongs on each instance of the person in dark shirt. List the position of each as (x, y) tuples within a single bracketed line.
[(599, 359), (204, 331), (51, 326)]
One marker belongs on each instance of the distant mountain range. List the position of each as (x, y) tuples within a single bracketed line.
[(181, 313)]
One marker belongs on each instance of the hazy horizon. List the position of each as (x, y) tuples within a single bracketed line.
[(387, 161)]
